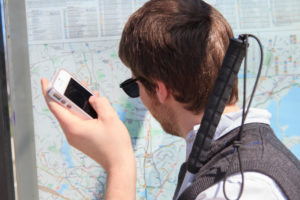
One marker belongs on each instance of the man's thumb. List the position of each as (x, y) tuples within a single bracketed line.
[(102, 107)]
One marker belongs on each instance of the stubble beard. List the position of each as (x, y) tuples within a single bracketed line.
[(165, 116)]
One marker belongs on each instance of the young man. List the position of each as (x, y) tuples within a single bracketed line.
[(174, 49)]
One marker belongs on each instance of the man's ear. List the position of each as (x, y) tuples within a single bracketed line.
[(162, 92)]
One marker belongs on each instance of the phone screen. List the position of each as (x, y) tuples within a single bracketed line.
[(80, 96)]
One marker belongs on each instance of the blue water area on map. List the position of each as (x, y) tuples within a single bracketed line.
[(65, 150), (143, 194), (63, 187), (120, 111), (296, 150), (289, 111), (272, 108)]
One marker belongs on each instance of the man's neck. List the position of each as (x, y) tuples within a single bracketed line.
[(187, 120)]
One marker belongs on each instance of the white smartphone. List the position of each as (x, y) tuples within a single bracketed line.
[(70, 93)]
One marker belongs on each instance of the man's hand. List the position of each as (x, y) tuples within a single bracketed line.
[(106, 140)]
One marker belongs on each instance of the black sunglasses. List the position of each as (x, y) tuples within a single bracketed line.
[(130, 87)]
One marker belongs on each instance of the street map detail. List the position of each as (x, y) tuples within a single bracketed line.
[(83, 38)]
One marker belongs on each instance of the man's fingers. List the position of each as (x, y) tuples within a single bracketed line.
[(84, 83), (62, 114), (44, 83), (96, 93)]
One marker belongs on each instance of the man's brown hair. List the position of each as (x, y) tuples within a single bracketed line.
[(181, 43)]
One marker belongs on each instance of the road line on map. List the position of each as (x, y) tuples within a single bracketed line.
[(45, 189)]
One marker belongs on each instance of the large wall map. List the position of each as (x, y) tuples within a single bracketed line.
[(83, 36)]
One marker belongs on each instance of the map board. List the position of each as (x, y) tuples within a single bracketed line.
[(83, 36)]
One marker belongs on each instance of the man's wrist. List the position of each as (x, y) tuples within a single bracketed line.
[(121, 181)]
